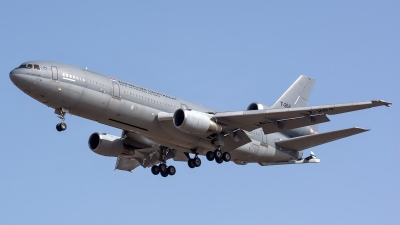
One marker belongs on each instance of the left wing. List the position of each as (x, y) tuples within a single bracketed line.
[(274, 120)]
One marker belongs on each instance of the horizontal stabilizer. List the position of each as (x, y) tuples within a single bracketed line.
[(304, 142)]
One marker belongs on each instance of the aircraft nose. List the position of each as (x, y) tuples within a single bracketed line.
[(19, 80), (13, 76)]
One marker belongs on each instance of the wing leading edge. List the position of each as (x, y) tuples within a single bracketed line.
[(274, 120)]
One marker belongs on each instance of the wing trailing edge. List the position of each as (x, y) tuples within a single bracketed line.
[(304, 142)]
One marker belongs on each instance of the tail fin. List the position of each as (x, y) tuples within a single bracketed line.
[(297, 95)]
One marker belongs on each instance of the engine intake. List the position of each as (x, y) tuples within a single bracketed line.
[(194, 122), (105, 144), (257, 106)]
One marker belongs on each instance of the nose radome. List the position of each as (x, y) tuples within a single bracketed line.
[(19, 80), (13, 76)]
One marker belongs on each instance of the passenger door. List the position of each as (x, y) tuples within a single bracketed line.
[(54, 73), (115, 89)]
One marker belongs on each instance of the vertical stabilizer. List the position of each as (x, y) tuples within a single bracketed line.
[(297, 95)]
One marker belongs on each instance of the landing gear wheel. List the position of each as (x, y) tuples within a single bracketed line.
[(210, 156), (163, 168), (190, 163), (196, 162), (171, 170), (58, 127), (219, 161), (61, 126), (164, 174), (226, 156), (218, 154), (155, 170)]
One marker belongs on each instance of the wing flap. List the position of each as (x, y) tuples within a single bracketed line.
[(304, 142), (273, 126), (127, 163)]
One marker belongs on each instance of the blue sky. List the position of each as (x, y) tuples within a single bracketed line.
[(223, 54)]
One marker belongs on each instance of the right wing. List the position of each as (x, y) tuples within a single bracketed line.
[(275, 120), (145, 154)]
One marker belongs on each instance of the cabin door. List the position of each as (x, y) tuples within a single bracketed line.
[(54, 73), (115, 89)]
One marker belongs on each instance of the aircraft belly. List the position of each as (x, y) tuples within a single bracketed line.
[(184, 139)]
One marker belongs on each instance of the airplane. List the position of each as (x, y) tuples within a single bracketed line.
[(157, 127)]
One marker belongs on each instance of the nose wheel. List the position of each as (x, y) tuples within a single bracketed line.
[(61, 127), (61, 114)]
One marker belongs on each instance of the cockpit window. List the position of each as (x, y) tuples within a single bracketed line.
[(30, 66)]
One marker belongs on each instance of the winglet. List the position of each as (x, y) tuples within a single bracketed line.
[(381, 102)]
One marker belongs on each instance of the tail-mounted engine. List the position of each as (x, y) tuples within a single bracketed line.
[(257, 106), (194, 122)]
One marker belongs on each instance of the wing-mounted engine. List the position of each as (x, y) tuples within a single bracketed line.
[(106, 144), (195, 122), (257, 106)]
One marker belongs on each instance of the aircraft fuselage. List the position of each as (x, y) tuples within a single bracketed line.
[(129, 107)]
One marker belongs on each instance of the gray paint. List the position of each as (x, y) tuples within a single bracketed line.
[(134, 109)]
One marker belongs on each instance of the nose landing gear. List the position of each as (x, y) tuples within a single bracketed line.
[(61, 114)]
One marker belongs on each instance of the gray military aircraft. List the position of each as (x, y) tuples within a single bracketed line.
[(157, 127)]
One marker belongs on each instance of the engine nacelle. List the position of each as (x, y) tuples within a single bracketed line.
[(194, 122), (105, 144), (257, 106)]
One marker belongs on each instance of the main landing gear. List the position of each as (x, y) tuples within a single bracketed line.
[(218, 156), (162, 168), (61, 112), (195, 162)]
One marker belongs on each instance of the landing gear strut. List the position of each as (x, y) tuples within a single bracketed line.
[(218, 156), (61, 112), (162, 168)]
